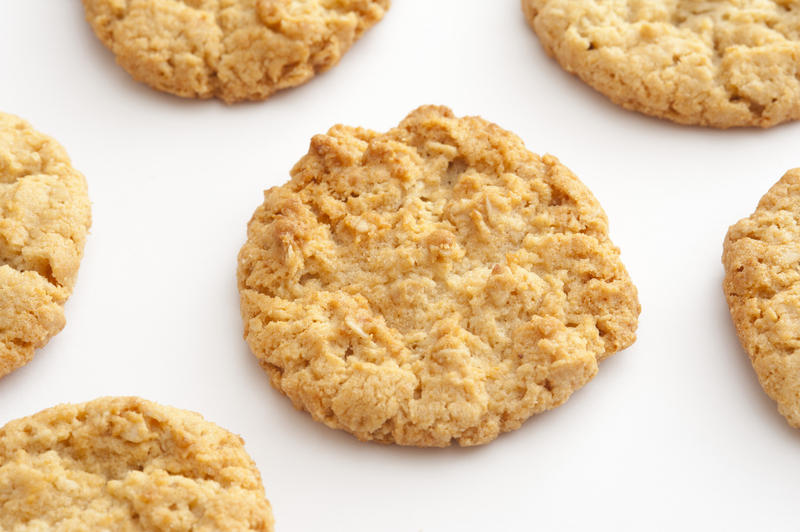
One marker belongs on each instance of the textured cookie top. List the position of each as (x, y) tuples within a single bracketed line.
[(232, 49), (126, 464), (722, 64), (762, 284), (44, 218), (434, 283)]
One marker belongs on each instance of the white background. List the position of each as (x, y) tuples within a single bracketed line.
[(673, 433)]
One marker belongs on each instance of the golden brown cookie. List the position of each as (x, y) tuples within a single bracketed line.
[(44, 218), (721, 64), (431, 284), (126, 464), (762, 285), (232, 49)]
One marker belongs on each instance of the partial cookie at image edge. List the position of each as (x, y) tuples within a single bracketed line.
[(45, 216), (762, 288), (120, 463), (246, 51), (724, 66)]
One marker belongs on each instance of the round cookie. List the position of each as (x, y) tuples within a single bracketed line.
[(233, 49), (126, 464), (437, 283), (721, 64), (762, 286), (44, 218)]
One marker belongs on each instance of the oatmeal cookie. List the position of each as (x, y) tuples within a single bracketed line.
[(232, 49), (126, 464), (436, 283), (720, 64), (762, 286), (44, 219)]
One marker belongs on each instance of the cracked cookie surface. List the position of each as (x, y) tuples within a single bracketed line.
[(762, 286), (713, 63), (437, 283), (232, 49), (44, 218), (126, 464)]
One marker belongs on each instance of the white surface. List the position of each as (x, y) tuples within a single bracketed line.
[(673, 433)]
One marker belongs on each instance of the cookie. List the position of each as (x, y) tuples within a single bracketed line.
[(44, 218), (762, 286), (123, 463), (437, 283), (720, 64), (235, 49)]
